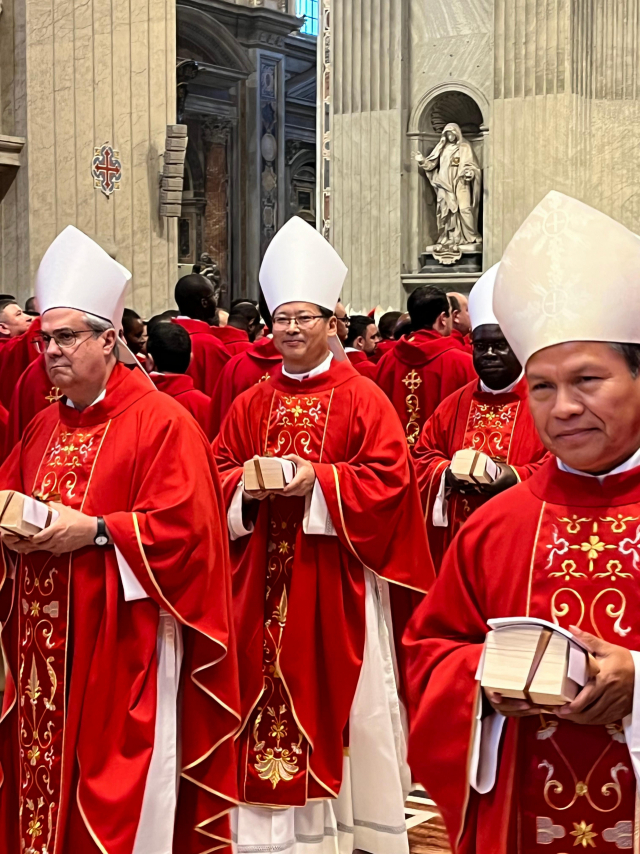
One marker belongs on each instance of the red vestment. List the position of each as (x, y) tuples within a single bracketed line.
[(292, 742), (244, 370), (34, 392), (15, 356), (421, 370), (463, 341), (181, 388), (209, 355), (565, 548), (4, 430), (383, 348), (77, 726), (356, 357), (500, 425), (235, 340)]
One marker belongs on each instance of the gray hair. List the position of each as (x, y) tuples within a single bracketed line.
[(98, 325), (631, 354)]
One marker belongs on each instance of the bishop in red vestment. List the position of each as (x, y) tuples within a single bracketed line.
[(305, 563), (240, 373), (426, 365), (103, 610), (195, 297), (562, 546), (490, 415)]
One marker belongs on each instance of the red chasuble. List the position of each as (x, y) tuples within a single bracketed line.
[(299, 599), (235, 340), (243, 371), (421, 370), (565, 548), (180, 387), (383, 348), (77, 725), (463, 341), (15, 356), (209, 355), (34, 392), (4, 431), (500, 425), (356, 357)]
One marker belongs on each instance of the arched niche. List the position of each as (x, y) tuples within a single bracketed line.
[(453, 101), (202, 38)]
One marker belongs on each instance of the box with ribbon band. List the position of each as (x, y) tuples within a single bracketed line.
[(473, 467), (24, 516), (270, 474)]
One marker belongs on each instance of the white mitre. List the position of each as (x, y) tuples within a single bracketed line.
[(564, 277), (301, 266), (77, 273), (481, 299)]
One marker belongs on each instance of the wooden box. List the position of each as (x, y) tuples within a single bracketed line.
[(473, 466), (268, 474), (24, 516)]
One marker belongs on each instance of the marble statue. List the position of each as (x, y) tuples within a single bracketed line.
[(454, 173)]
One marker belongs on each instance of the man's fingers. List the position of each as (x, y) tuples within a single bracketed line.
[(593, 644), (589, 694)]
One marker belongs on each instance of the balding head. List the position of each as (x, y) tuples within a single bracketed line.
[(195, 297), (13, 320), (460, 312)]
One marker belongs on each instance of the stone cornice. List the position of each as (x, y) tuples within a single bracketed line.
[(10, 148), (253, 26)]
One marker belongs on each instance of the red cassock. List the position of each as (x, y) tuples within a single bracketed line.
[(235, 340), (383, 348), (209, 355), (499, 425), (15, 356), (356, 357), (180, 387), (565, 548), (421, 370), (243, 371), (77, 726), (33, 392), (4, 431), (463, 341), (299, 599)]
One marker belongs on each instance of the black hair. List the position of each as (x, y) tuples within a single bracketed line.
[(357, 327), (169, 345), (455, 302), (5, 302), (425, 305), (387, 324), (128, 316), (189, 292), (631, 355), (164, 317)]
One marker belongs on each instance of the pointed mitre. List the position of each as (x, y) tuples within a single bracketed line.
[(301, 266), (565, 275), (77, 273), (481, 299)]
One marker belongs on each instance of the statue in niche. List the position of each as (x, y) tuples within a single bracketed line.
[(453, 171)]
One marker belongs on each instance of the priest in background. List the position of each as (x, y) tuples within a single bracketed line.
[(460, 321), (168, 359), (426, 365), (196, 301), (116, 606), (563, 546), (490, 414), (386, 328), (16, 348), (362, 339), (13, 320), (322, 746)]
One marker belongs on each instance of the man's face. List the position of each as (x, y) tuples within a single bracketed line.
[(371, 339), (137, 336), (586, 404), (208, 300), (81, 365), (304, 344), (494, 360), (343, 322), (14, 321)]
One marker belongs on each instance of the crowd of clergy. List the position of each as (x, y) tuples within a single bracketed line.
[(191, 664)]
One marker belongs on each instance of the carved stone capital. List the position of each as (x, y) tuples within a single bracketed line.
[(216, 130)]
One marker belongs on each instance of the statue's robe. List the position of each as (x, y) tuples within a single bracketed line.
[(299, 598), (565, 548), (418, 373), (499, 425), (34, 391), (15, 356), (92, 669), (243, 371), (209, 355), (181, 388)]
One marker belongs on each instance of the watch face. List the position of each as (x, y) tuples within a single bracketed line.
[(101, 541)]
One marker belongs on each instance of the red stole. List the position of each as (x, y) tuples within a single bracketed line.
[(571, 558)]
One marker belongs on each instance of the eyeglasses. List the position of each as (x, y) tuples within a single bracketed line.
[(65, 339), (302, 321)]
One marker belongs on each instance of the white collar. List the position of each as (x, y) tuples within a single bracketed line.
[(100, 397), (506, 390), (320, 369), (632, 463), (351, 350)]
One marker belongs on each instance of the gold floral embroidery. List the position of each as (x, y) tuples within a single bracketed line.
[(593, 547), (412, 381), (573, 523), (584, 834), (613, 571), (619, 523), (568, 570)]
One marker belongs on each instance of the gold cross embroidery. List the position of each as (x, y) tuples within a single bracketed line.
[(54, 395), (412, 381)]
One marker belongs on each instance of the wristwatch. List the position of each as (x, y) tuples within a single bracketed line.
[(101, 538)]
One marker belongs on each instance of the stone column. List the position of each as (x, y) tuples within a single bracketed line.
[(88, 73), (363, 201)]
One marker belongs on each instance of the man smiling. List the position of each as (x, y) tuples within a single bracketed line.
[(563, 546), (321, 733)]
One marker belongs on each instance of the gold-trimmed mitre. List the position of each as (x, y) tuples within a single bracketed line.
[(570, 273)]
